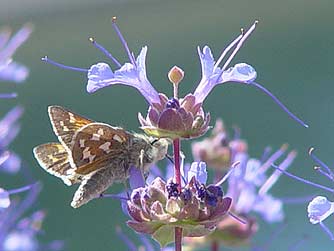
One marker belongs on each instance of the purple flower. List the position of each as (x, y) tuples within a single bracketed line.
[(9, 69)]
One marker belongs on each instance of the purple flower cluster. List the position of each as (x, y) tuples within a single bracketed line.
[(17, 233)]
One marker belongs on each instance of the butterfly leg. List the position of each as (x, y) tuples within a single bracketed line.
[(91, 187)]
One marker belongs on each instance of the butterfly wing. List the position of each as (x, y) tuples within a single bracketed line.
[(54, 158), (66, 123), (95, 144)]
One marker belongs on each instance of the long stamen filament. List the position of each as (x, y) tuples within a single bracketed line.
[(320, 162), (277, 101), (303, 180), (8, 95), (237, 48), (326, 230), (275, 176), (227, 49), (104, 51), (123, 41), (21, 189), (47, 60), (219, 183), (324, 173), (237, 218)]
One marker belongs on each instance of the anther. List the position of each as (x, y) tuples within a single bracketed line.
[(105, 51)]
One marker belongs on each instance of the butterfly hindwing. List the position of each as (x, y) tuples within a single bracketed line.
[(65, 123), (97, 142), (54, 158)]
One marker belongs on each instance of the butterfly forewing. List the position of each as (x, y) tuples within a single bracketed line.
[(65, 123), (96, 143), (54, 159)]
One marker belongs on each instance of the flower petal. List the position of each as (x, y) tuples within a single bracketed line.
[(242, 73), (4, 198), (14, 72), (198, 170), (319, 209), (100, 75), (270, 208)]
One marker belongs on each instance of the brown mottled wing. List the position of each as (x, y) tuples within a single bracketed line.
[(53, 157), (95, 144), (65, 123)]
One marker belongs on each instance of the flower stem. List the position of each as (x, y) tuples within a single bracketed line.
[(214, 246), (177, 171), (178, 239), (177, 178)]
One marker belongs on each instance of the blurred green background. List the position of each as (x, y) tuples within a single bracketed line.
[(292, 51)]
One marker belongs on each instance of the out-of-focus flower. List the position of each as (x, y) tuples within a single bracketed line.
[(22, 235), (215, 150), (9, 128), (159, 207), (9, 69), (249, 189)]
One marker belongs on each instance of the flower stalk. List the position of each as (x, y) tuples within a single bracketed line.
[(177, 178)]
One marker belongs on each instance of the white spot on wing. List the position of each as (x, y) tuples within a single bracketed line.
[(96, 137), (87, 155), (82, 142), (117, 138), (105, 147), (72, 119), (100, 131)]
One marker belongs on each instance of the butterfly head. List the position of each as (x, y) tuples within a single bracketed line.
[(159, 148)]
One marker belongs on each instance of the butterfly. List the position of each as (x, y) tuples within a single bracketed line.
[(94, 154)]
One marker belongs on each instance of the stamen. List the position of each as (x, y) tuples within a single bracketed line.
[(326, 230), (271, 160), (21, 189), (124, 238), (303, 180), (227, 49), (265, 154), (124, 43), (298, 243), (237, 48), (47, 60), (237, 218), (105, 51), (4, 156), (297, 200), (8, 95), (235, 164), (318, 169), (277, 101), (321, 163), (275, 176)]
